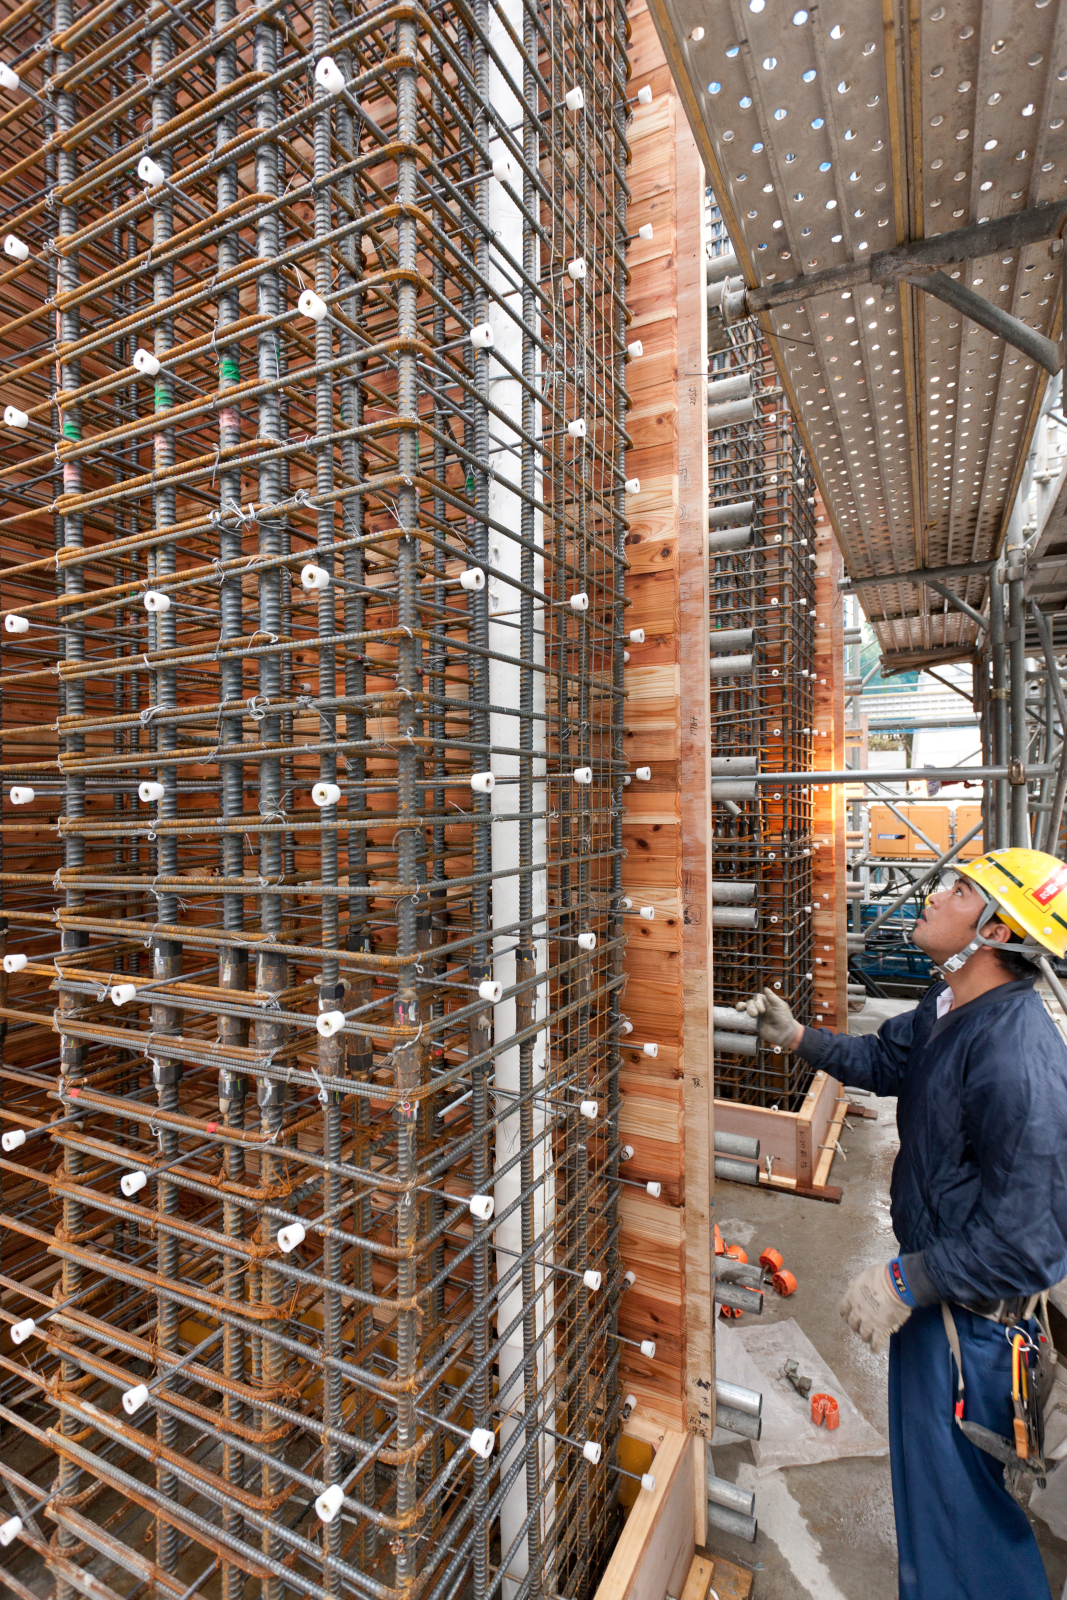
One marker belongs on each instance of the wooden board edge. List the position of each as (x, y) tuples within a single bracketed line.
[(636, 1540)]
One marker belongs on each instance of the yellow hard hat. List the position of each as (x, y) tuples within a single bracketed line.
[(1030, 891)]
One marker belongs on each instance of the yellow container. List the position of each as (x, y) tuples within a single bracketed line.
[(892, 837), (966, 817)]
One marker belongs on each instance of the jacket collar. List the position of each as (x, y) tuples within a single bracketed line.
[(1003, 991)]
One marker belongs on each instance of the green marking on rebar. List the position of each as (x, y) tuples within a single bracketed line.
[(162, 396), (70, 429), (470, 482), (230, 370)]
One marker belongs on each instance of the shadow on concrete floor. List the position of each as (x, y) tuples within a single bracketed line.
[(826, 1532)]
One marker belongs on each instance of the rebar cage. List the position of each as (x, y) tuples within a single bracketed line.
[(762, 638), (314, 342)]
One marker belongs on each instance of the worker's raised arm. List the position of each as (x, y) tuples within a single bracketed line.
[(872, 1061), (1013, 1238)]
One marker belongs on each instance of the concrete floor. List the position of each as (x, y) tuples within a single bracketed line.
[(826, 1531)]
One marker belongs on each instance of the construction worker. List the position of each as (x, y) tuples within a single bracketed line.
[(979, 1207)]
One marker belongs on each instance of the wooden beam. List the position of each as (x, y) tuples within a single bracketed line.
[(656, 1546)]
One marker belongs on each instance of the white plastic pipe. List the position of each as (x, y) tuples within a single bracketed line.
[(10, 1530), (146, 362), (134, 1399), (15, 247), (123, 993), (329, 1023), (21, 1331), (290, 1237), (15, 961), (132, 1183), (149, 791), (16, 624), (13, 1139), (21, 795), (504, 73), (150, 172)]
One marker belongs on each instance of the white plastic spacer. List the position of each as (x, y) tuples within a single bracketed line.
[(146, 362), (15, 247), (579, 601), (483, 782), (637, 635), (326, 794), (650, 1050), (150, 172), (289, 1237), (587, 941), (329, 75), (626, 1026), (574, 99), (14, 418), (592, 1452), (473, 579), (123, 993), (312, 306), (626, 1153), (490, 990), (576, 429), (328, 1023), (149, 791), (589, 1109), (629, 1279), (14, 1139), (576, 269), (634, 349), (481, 1442), (583, 774), (15, 961), (329, 1502), (9, 79), (647, 1480), (10, 1530), (132, 1183), (14, 624), (643, 774), (156, 600), (481, 336), (648, 1348), (644, 96), (645, 231), (632, 486), (591, 1279), (20, 796), (313, 577), (654, 1189), (502, 169), (481, 1206), (647, 913), (625, 657), (627, 903), (134, 1399)]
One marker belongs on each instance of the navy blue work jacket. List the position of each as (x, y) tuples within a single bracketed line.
[(980, 1181)]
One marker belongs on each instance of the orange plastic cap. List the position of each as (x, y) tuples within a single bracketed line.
[(824, 1410), (771, 1259), (735, 1252), (784, 1282)]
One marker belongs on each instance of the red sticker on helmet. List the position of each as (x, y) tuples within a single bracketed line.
[(1051, 887)]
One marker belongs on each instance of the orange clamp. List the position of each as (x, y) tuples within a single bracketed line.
[(824, 1410), (771, 1259), (784, 1282)]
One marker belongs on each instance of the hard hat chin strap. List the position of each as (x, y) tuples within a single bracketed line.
[(979, 942)]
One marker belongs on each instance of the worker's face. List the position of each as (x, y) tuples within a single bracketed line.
[(950, 917)]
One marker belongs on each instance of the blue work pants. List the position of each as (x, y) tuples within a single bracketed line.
[(960, 1535)]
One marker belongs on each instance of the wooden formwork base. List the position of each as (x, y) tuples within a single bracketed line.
[(799, 1145), (660, 1552)]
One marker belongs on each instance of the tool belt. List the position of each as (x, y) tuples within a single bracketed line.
[(1022, 1457), (1007, 1312)]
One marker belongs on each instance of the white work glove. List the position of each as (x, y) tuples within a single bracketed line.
[(872, 1308), (777, 1024)]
